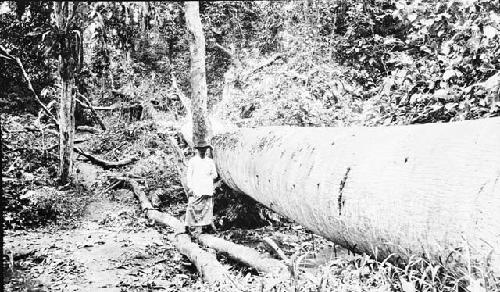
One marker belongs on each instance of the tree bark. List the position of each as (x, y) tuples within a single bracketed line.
[(70, 58), (431, 190), (66, 131), (197, 75)]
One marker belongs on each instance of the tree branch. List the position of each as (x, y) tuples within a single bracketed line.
[(186, 103), (92, 109), (266, 63), (104, 163), (30, 87)]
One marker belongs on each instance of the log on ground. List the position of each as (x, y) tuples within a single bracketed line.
[(207, 265), (243, 254), (104, 163), (431, 190)]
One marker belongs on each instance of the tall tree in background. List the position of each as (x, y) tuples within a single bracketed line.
[(69, 43), (197, 74)]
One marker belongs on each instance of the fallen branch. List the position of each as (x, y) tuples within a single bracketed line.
[(94, 113), (276, 249), (77, 141), (32, 129), (103, 163), (207, 265), (262, 65), (186, 102), (125, 177), (243, 254), (87, 129), (30, 87), (118, 106)]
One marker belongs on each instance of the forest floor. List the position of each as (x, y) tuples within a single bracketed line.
[(92, 235), (112, 247)]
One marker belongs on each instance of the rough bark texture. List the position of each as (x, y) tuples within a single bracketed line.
[(431, 190), (198, 79), (70, 58), (66, 131)]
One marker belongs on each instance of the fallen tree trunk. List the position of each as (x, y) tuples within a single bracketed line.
[(431, 190), (206, 264), (104, 163), (243, 254)]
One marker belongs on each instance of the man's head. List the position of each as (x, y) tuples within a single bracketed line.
[(202, 151)]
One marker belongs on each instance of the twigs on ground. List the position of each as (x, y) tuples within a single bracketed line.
[(103, 163)]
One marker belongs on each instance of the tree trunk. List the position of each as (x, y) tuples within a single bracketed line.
[(201, 125), (66, 131), (431, 190), (70, 57)]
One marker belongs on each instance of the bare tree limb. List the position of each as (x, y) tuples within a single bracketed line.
[(266, 63), (87, 129), (50, 148), (277, 250), (103, 163), (236, 62), (244, 254), (94, 113), (30, 87)]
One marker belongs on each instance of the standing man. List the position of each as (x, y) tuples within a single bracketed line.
[(201, 173)]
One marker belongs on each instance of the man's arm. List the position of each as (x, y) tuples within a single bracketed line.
[(213, 170)]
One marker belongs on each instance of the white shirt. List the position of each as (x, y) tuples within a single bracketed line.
[(200, 176)]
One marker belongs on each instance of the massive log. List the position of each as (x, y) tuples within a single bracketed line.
[(431, 190)]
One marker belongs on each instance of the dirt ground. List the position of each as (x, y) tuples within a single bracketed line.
[(113, 248)]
